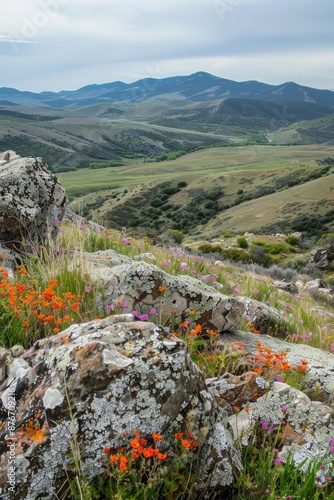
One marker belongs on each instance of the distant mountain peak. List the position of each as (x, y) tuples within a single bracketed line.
[(197, 87)]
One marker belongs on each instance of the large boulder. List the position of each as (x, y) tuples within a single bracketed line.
[(31, 201), (145, 287), (94, 382)]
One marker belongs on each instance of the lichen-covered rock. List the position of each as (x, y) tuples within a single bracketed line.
[(322, 256), (143, 286), (305, 427), (94, 382), (319, 377), (286, 287), (31, 201), (233, 392)]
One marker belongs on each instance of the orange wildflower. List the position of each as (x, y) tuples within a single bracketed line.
[(114, 458), (178, 435), (150, 452), (162, 288), (258, 371), (135, 443), (156, 437), (123, 466), (162, 456), (39, 437), (185, 443)]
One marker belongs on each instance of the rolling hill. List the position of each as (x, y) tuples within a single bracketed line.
[(206, 193)]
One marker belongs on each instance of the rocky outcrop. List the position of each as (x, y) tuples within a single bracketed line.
[(31, 201), (233, 392), (305, 428), (285, 286), (94, 382), (323, 256), (143, 287), (319, 376)]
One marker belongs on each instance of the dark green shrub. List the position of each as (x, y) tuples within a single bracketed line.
[(292, 240), (260, 256), (242, 242), (236, 255), (175, 235)]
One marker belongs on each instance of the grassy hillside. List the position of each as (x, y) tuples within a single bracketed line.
[(211, 191), (74, 139), (316, 131), (77, 136)]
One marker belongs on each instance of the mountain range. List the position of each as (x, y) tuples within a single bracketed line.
[(198, 87)]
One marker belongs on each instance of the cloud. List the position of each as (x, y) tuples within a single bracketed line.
[(71, 43), (12, 39)]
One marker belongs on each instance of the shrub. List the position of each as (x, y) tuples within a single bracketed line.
[(242, 242), (236, 255), (205, 248), (260, 256), (326, 238), (292, 240), (175, 235)]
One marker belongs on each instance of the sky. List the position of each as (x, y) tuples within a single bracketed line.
[(67, 44)]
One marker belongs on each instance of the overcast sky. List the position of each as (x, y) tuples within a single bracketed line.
[(66, 44)]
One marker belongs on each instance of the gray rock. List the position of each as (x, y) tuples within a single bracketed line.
[(31, 201), (319, 379), (144, 286), (323, 256), (286, 287), (92, 383), (146, 256), (305, 427)]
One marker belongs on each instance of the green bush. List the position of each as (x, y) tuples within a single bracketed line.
[(242, 242), (325, 238), (176, 235), (292, 240), (236, 255)]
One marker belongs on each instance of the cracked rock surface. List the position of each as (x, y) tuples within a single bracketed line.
[(31, 201), (95, 381), (145, 286)]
